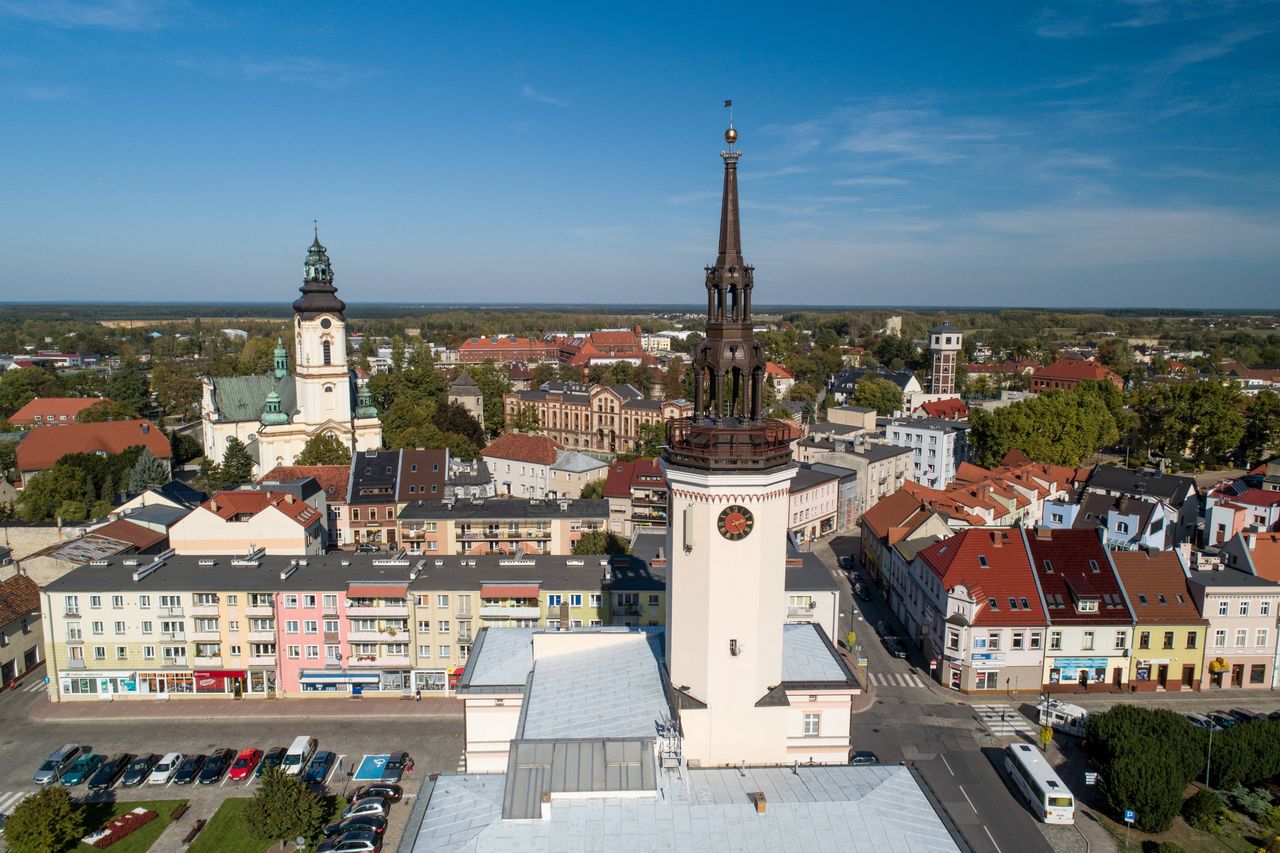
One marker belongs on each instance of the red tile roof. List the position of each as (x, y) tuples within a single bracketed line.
[(334, 479), (44, 446), (19, 597), (779, 370), (519, 447), (1157, 587), (377, 590), (227, 505), (493, 590), (1064, 563), (1005, 575), (59, 410), (1255, 497), (1265, 555), (646, 473), (951, 410), (1076, 370), (136, 535), (500, 344), (891, 511)]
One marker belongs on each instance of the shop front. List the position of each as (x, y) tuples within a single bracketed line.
[(221, 681), (1242, 672), (98, 685), (338, 681), (430, 680), (1082, 674)]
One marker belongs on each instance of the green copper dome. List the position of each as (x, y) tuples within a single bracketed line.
[(271, 414)]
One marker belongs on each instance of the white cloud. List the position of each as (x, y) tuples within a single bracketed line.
[(298, 69), (532, 94), (127, 15), (46, 92)]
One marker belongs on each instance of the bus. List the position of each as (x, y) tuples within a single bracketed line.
[(1032, 775), (1063, 717)]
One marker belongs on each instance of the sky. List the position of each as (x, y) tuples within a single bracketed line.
[(1068, 154)]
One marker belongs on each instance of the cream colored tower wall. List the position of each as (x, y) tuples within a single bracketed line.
[(315, 404), (722, 592)]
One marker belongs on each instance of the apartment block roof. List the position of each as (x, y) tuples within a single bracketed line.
[(335, 480), (44, 446), (992, 563), (1075, 573), (503, 509), (229, 505), (1171, 488), (19, 597), (625, 475), (1230, 579), (518, 447), (1157, 587), (809, 478)]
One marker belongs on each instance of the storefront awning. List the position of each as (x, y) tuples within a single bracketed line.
[(377, 590), (341, 677), (219, 673), (499, 590)]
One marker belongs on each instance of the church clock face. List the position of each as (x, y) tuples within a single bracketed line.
[(735, 522)]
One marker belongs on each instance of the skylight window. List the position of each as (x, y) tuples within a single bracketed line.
[(1026, 605), (1160, 597), (1093, 566), (1048, 567), (993, 604), (1013, 603), (1142, 599), (982, 560)]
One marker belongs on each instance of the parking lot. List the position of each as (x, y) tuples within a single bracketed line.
[(435, 744)]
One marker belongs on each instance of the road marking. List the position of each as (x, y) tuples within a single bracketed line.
[(966, 798), (944, 761), (993, 840), (1004, 720), (10, 801), (224, 780), (333, 770)]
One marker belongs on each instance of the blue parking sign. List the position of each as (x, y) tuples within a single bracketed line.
[(1128, 815)]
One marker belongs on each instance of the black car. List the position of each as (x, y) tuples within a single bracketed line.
[(376, 825), (215, 766), (138, 770), (109, 772), (351, 842), (270, 759), (390, 793), (189, 769), (862, 757), (1223, 719), (895, 647), (398, 764)]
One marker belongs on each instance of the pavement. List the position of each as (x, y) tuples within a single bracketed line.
[(365, 707)]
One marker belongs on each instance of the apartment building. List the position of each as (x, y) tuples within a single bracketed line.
[(638, 496), (814, 501), (937, 446), (502, 526), (535, 466), (260, 625), (600, 418), (1241, 609), (384, 481), (229, 522), (1169, 635)]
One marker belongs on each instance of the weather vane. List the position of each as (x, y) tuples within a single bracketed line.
[(730, 135)]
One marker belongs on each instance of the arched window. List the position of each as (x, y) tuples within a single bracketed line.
[(328, 355), (328, 389)]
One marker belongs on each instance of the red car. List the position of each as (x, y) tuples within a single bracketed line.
[(242, 767)]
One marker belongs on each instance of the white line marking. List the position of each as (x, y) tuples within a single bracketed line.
[(966, 797), (944, 761), (993, 840)]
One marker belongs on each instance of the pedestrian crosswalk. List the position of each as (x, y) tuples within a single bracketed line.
[(895, 679), (36, 685), (9, 800), (1004, 720)]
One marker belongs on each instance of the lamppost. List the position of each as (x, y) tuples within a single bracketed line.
[(1208, 757)]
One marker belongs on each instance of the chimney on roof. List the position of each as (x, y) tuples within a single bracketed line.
[(1043, 533), (213, 505), (997, 538), (146, 427), (1251, 538), (289, 497)]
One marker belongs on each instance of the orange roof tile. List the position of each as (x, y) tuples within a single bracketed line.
[(45, 410), (227, 505), (44, 446), (334, 479), (519, 447)]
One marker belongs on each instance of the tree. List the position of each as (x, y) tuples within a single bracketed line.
[(237, 464), (129, 387), (1261, 429), (19, 387), (802, 392), (208, 476), (62, 487), (324, 449), (283, 808), (452, 416), (524, 419), (876, 393), (594, 489), (177, 387), (147, 471), (46, 821), (601, 542), (1058, 427), (183, 447), (650, 439), (106, 410), (493, 383)]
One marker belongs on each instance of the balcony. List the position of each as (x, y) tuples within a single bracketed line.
[(332, 637), (259, 610), (206, 636), (464, 615), (377, 636), (170, 611), (331, 611), (173, 635), (75, 641), (207, 662), (204, 609), (262, 660), (378, 661), (386, 611), (465, 639), (504, 611), (800, 612), (177, 663), (262, 636), (71, 614), (75, 663)]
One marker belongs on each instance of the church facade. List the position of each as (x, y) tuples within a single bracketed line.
[(276, 413)]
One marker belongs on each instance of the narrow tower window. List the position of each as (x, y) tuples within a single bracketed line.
[(328, 354)]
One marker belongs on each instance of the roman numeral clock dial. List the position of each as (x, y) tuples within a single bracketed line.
[(735, 522)]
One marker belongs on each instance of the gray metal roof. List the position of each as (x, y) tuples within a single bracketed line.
[(537, 767), (501, 509), (162, 514), (500, 657), (878, 809), (1227, 578), (807, 657), (637, 571), (243, 398), (614, 690), (575, 462)]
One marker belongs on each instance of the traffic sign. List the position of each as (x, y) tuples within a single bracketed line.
[(1091, 778), (1128, 816)]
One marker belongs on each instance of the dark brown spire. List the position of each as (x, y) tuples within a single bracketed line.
[(319, 296)]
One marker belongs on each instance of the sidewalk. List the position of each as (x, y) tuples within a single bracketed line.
[(365, 707)]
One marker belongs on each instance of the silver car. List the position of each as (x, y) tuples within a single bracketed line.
[(57, 763)]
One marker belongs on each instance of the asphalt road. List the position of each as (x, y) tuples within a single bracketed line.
[(435, 744)]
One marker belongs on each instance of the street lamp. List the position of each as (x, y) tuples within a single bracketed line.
[(1208, 757)]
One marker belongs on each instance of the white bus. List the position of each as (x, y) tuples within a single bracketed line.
[(1049, 798), (1064, 717)]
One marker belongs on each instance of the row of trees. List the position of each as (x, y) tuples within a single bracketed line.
[(1057, 427), (83, 486)]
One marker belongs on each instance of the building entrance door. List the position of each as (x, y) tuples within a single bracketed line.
[(1162, 675), (1188, 675), (1237, 675)]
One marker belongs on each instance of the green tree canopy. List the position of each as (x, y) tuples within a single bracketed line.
[(46, 822), (524, 419), (594, 489), (1057, 427), (237, 464), (129, 387), (324, 449), (601, 542), (147, 471), (106, 410), (877, 393), (283, 808)]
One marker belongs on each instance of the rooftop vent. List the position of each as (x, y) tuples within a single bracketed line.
[(206, 562), (99, 562), (288, 570)]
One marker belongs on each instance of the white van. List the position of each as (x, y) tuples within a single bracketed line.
[(298, 755), (1064, 717)]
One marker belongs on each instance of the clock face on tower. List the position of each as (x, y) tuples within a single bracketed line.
[(735, 522)]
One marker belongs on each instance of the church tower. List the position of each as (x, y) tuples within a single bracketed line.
[(320, 342), (729, 470)]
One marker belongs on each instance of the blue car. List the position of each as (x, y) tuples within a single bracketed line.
[(318, 769)]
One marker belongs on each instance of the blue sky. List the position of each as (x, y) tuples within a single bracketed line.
[(1069, 154)]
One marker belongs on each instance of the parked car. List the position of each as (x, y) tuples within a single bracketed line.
[(1245, 716), (376, 825), (318, 770), (1202, 722), (83, 767), (398, 764), (110, 771), (271, 758), (165, 768), (138, 770), (846, 562), (1274, 715), (1223, 719), (246, 761), (862, 592), (895, 647), (862, 757), (390, 793), (368, 807), (215, 766), (58, 761), (351, 842), (189, 769)]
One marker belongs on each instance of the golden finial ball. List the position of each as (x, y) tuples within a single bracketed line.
[(731, 136)]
